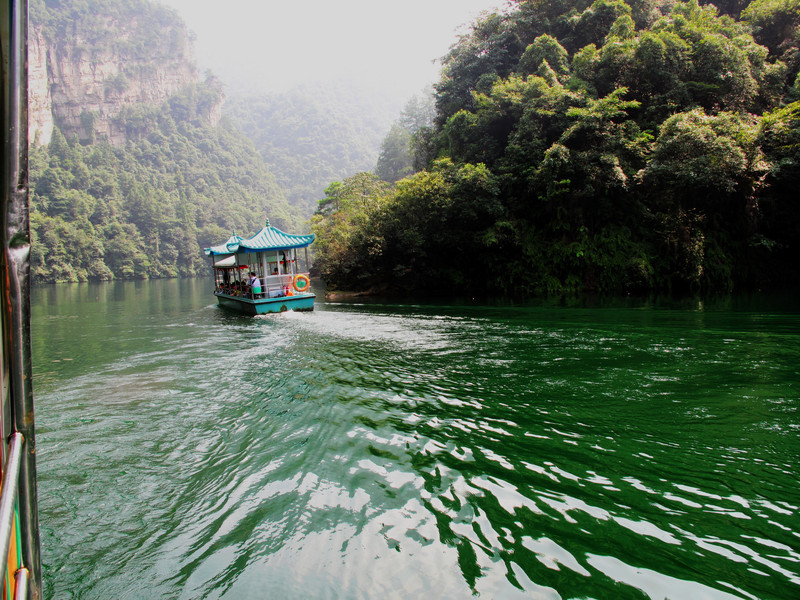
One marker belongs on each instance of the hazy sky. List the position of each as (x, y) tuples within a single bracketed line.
[(270, 45)]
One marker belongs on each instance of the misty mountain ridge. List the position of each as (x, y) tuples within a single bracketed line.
[(315, 133)]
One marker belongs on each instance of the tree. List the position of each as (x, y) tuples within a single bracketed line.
[(595, 23), (703, 177), (345, 228), (544, 48), (394, 161), (703, 160), (779, 138)]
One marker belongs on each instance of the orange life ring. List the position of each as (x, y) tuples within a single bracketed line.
[(301, 283)]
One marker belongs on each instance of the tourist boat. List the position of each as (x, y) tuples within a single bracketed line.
[(272, 257)]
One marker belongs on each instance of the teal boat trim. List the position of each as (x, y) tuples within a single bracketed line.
[(261, 306)]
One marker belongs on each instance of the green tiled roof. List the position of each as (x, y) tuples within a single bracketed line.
[(269, 238), (223, 248)]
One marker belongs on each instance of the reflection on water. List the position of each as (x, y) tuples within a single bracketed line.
[(403, 451)]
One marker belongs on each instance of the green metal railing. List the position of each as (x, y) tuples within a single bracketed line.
[(8, 501)]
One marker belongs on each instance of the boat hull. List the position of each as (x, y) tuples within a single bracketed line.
[(262, 306)]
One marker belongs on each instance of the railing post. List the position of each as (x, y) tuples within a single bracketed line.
[(21, 578)]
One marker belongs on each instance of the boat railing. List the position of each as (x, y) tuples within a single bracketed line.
[(272, 286), (8, 500), (275, 286)]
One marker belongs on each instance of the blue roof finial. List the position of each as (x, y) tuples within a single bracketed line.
[(267, 225)]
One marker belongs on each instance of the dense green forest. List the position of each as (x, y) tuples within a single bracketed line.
[(399, 156), (147, 208), (313, 134), (603, 146)]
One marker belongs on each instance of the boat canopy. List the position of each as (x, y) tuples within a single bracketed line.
[(268, 238), (229, 262), (223, 248)]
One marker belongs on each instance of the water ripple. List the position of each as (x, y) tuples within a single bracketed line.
[(366, 451)]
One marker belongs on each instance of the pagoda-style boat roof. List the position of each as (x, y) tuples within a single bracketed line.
[(223, 248), (268, 238)]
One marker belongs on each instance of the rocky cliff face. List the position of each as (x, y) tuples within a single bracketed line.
[(82, 76), (40, 103)]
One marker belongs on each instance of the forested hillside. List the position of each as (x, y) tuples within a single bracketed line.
[(314, 134), (145, 207), (605, 146)]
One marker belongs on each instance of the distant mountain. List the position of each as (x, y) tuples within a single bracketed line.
[(315, 134)]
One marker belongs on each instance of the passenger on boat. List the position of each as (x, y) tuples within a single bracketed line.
[(255, 285)]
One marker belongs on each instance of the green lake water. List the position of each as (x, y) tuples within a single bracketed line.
[(369, 450)]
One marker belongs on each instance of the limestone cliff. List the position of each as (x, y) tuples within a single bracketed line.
[(40, 103), (85, 69)]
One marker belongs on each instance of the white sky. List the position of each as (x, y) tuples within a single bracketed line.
[(271, 45)]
